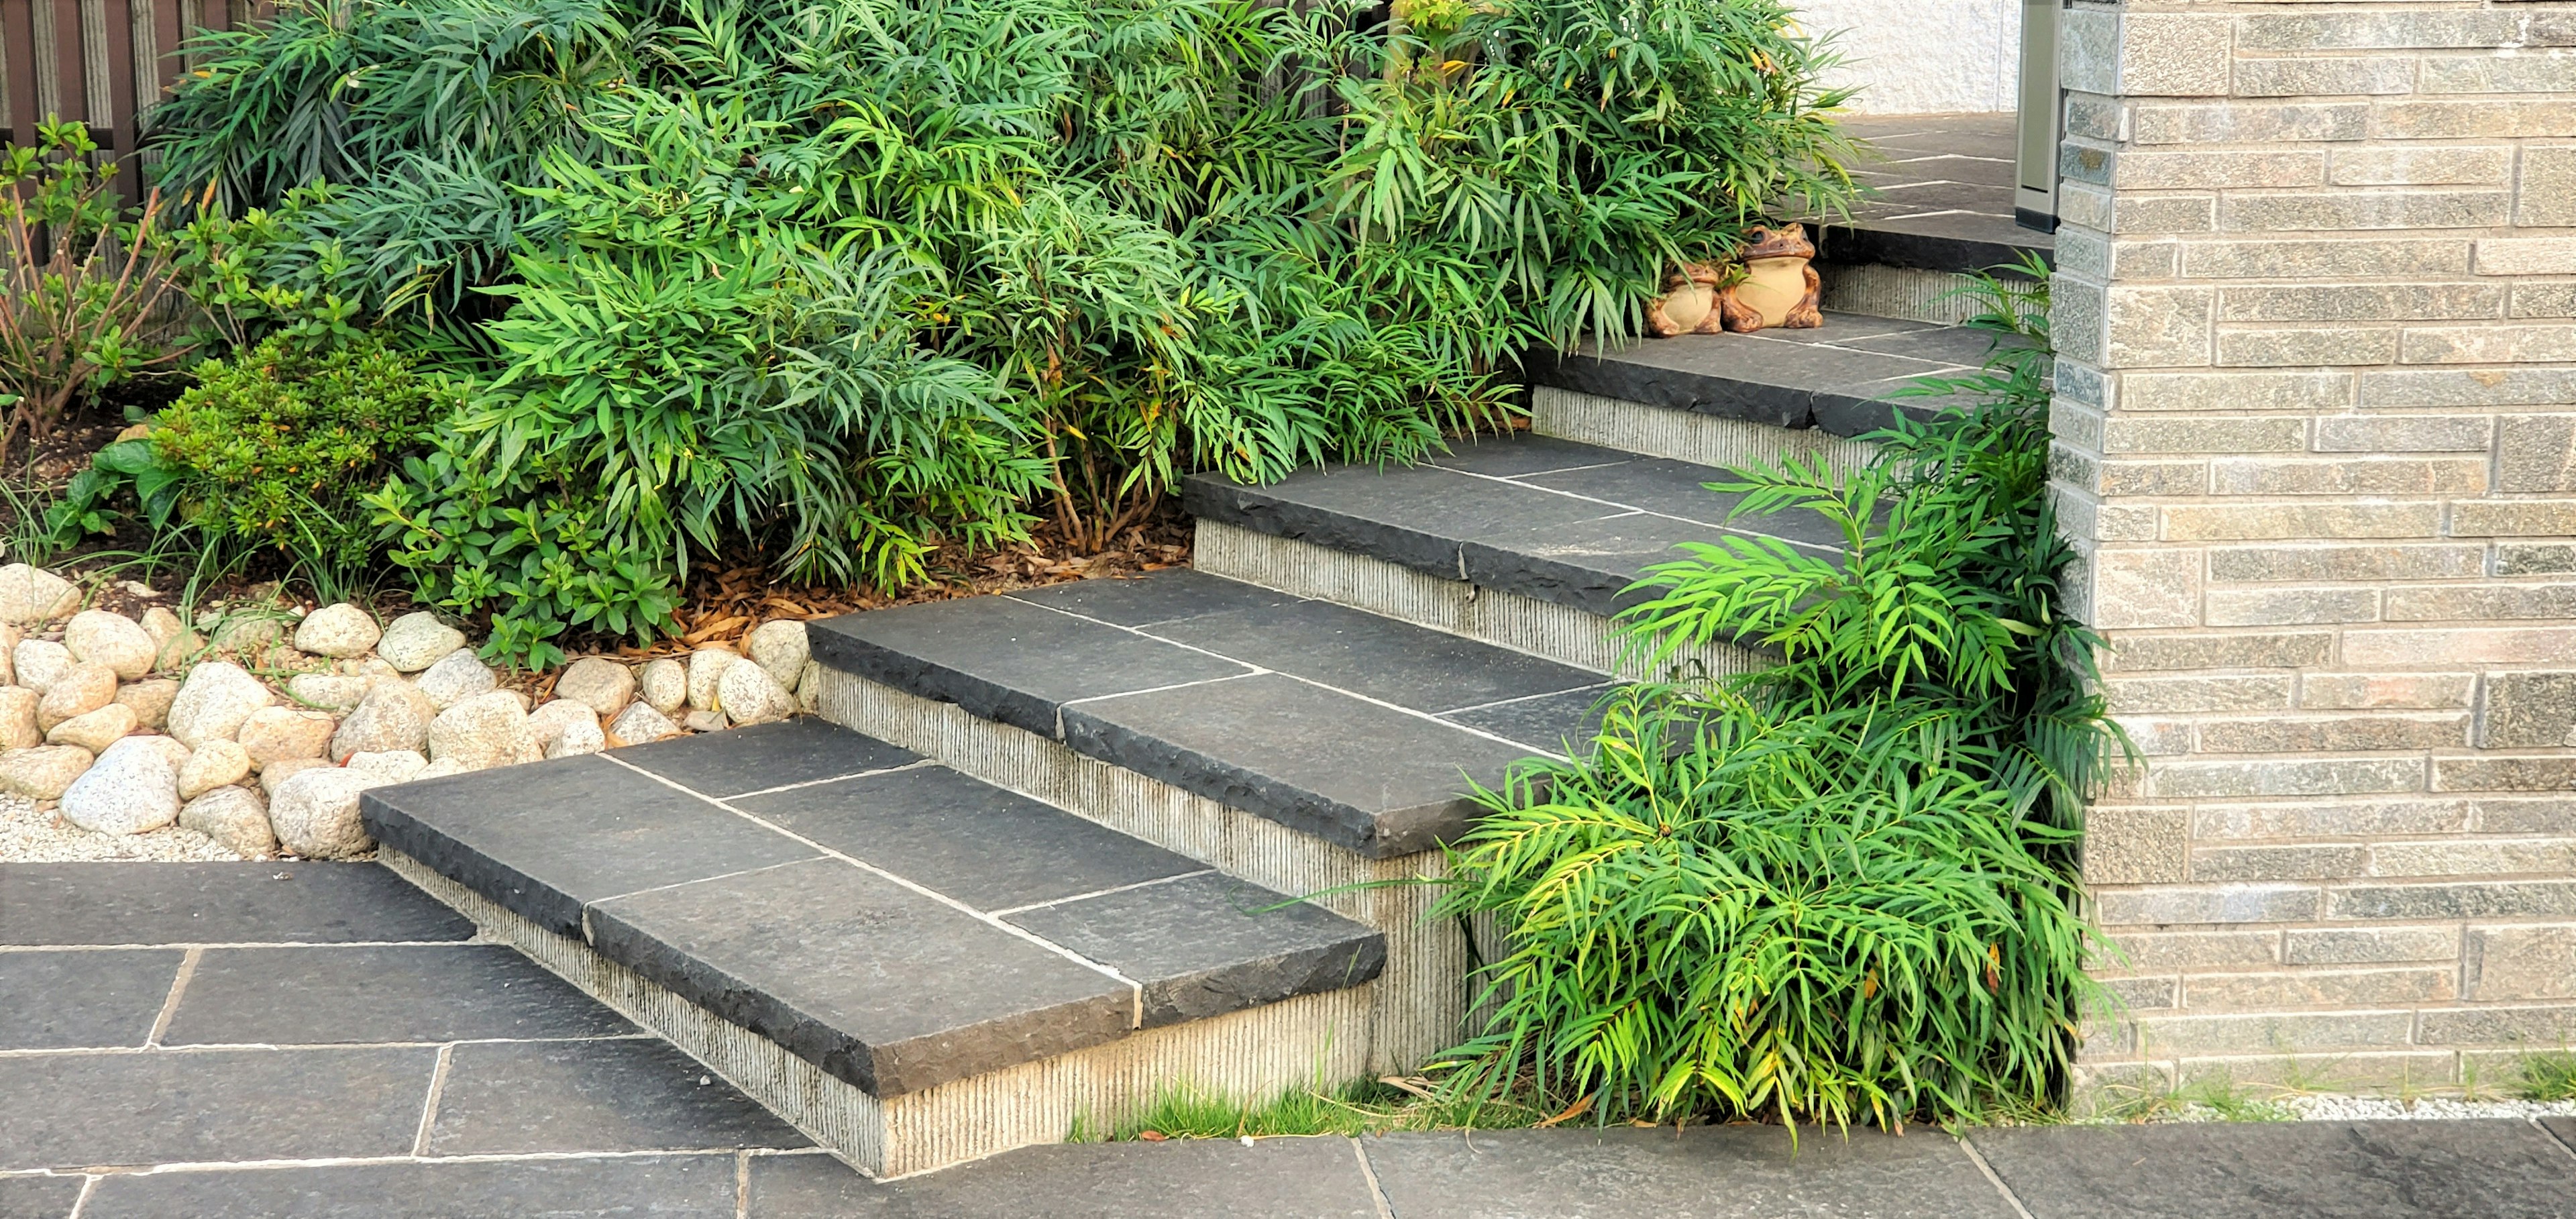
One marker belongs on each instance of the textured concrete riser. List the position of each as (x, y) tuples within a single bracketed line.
[(1246, 1055), (1416, 1005), (1709, 440)]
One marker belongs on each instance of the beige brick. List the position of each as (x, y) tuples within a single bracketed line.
[(2514, 518), (2285, 777), (2528, 709), (2336, 734), (2274, 1034), (2403, 434), (2328, 819), (2322, 77), (2535, 559), (2204, 435), (2488, 120), (2394, 257), (2399, 165), (2349, 208), (2554, 857), (2546, 196), (2370, 945), (2275, 346), (2532, 962), (2306, 861), (2386, 691), (2538, 815), (2346, 1071), (2290, 606), (2302, 521), (2168, 905), (2150, 950), (2174, 54), (2161, 736), (2210, 169), (2419, 648), (2372, 31), (2242, 123), (2359, 303), (2135, 844), (2356, 476), (2489, 344), (2467, 387), (2239, 392), (2132, 695), (2157, 327), (2542, 298), (2550, 1025), (2230, 650), (2526, 256), (2501, 773), (2145, 588), (2536, 453), (2462, 899), (2497, 73), (2255, 564), (2318, 988), (2153, 478), (2555, 600)]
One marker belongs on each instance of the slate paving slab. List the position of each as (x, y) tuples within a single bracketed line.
[(39, 1197), (371, 994), (2472, 1169), (51, 1000), (1374, 657), (165, 1107), (2564, 1128), (664, 1187), (626, 1094), (1208, 944), (763, 757), (1702, 1172), (217, 903), (1311, 1178)]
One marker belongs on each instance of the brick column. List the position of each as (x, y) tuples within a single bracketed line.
[(2316, 313)]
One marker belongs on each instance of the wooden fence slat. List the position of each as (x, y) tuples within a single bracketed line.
[(215, 14), (70, 73), (18, 31), (120, 76), (169, 29)]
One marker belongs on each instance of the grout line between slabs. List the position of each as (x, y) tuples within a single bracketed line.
[(915, 764), (1078, 897), (1978, 1158), (1524, 698), (767, 867), (196, 944), (1135, 989), (170, 1004), (305, 1047), (742, 1184), (1368, 1173), (89, 1185), (429, 1104)]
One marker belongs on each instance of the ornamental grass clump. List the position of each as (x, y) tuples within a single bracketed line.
[(1842, 887)]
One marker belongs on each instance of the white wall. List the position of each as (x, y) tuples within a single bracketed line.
[(1923, 56)]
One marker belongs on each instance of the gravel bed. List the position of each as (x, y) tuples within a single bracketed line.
[(32, 835), (2374, 1108)]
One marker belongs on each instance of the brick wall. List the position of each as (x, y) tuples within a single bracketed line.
[(2316, 424)]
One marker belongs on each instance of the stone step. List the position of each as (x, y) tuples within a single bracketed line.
[(913, 966), (1528, 541)]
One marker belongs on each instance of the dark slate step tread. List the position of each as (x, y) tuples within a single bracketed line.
[(1359, 729), (1561, 521), (1842, 379), (890, 920)]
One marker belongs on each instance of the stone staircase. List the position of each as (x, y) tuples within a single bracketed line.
[(1041, 857)]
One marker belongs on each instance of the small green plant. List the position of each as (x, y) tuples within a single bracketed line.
[(2549, 1076), (1362, 1107)]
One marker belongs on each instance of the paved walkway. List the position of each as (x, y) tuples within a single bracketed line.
[(234, 1040)]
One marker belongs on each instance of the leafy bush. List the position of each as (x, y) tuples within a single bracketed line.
[(1840, 887), (81, 288)]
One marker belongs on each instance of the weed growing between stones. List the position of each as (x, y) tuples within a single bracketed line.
[(1840, 889), (2549, 1076), (1360, 1107)]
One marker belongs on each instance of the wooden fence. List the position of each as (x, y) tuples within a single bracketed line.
[(105, 62)]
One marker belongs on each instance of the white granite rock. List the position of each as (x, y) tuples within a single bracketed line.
[(81, 689), (94, 730), (10, 637), (235, 817), (482, 732), (249, 633), (130, 789), (780, 648), (18, 728), (706, 668), (151, 699), (418, 640), (214, 702), (338, 631), (456, 677), (579, 737), (38, 663), (274, 734), (749, 695), (44, 771), (114, 640), (600, 684), (640, 723), (441, 769), (328, 691), (214, 764), (548, 722), (704, 721), (390, 766), (278, 772), (392, 715), (315, 813), (31, 595), (664, 685)]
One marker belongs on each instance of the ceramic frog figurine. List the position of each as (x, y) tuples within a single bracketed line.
[(1777, 287), (1689, 303)]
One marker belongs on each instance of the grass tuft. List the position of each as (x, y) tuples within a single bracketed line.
[(2549, 1077), (1360, 1107)]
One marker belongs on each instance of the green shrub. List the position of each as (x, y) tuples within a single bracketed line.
[(2549, 1076)]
